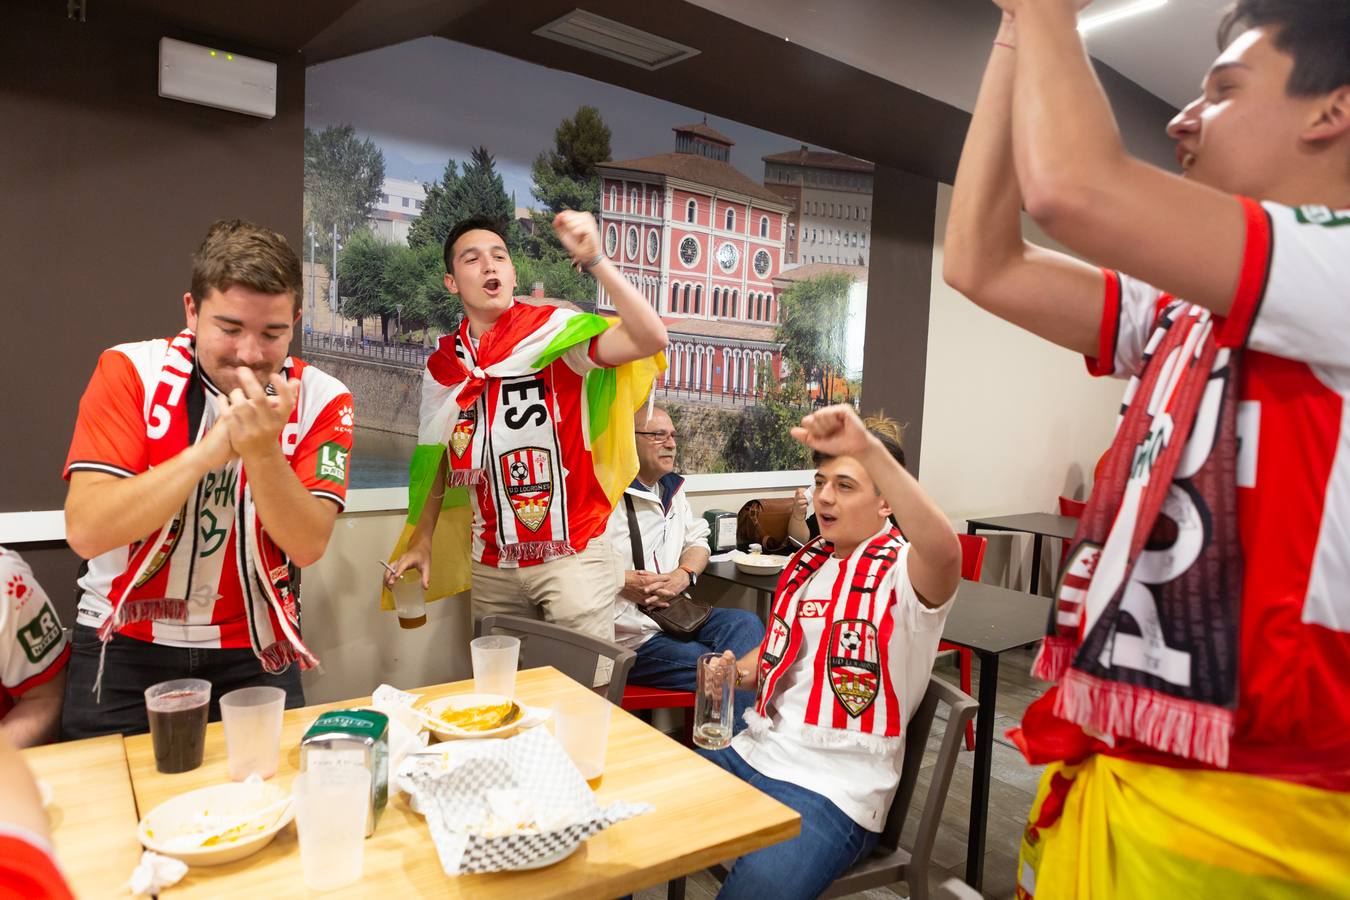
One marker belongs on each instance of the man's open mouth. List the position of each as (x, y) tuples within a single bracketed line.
[(492, 285)]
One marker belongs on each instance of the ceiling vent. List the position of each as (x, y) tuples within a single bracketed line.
[(615, 40)]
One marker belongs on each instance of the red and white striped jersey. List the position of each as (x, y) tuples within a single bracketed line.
[(1292, 314), (110, 436), (853, 776)]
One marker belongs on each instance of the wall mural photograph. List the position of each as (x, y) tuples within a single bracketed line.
[(751, 246)]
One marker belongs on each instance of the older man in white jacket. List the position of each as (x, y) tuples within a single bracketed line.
[(674, 551)]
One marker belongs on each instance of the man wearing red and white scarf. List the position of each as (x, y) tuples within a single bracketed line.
[(1198, 738), (205, 469), (510, 421), (856, 619)]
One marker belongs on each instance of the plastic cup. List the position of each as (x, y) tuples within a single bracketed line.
[(177, 713), (494, 664), (409, 600), (581, 725), (713, 703), (331, 803), (252, 717)]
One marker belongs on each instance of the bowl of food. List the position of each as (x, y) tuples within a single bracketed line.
[(471, 716), (759, 563), (217, 824)]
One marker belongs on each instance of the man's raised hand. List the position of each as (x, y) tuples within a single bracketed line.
[(256, 419), (834, 431)]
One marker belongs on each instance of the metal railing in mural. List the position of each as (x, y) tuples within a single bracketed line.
[(411, 355)]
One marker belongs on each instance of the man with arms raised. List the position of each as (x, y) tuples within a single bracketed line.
[(204, 470), (850, 646), (529, 408), (1198, 739)]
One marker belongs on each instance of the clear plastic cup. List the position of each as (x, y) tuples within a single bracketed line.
[(495, 658), (410, 600), (177, 712), (581, 725), (331, 803), (713, 705), (252, 717)]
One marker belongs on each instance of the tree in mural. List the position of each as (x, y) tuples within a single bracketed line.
[(343, 175), (761, 440), (403, 286), (814, 333), (438, 215), (565, 177)]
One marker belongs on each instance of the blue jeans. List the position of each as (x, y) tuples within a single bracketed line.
[(665, 662), (802, 868)]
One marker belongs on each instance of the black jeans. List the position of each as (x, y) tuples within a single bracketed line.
[(131, 666)]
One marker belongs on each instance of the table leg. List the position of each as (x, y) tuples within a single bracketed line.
[(984, 757), (1036, 564), (970, 529), (764, 604)]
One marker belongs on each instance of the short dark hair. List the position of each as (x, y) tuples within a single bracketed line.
[(1316, 33), (473, 223), (884, 429), (235, 251)]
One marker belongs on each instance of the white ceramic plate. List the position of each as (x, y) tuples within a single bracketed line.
[(217, 804), (551, 858), (528, 717), (759, 564)]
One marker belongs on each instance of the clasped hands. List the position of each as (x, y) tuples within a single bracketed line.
[(249, 420), (654, 590)]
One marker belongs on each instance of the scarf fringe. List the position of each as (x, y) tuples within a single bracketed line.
[(129, 611), (278, 657), (1054, 658), (756, 724), (545, 550), (830, 738), (1185, 728), (466, 477)]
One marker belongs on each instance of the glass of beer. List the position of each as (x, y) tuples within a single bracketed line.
[(177, 711), (713, 704)]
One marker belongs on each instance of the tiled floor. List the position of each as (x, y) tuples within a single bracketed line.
[(1011, 790)]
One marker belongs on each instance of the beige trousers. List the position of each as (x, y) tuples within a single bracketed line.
[(575, 592)]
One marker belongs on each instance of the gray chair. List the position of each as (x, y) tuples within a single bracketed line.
[(570, 652), (955, 889), (891, 862)]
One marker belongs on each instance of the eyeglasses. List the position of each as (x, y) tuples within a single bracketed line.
[(658, 437)]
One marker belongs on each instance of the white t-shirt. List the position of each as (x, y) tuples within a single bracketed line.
[(861, 782)]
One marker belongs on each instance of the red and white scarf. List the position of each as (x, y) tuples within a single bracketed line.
[(161, 571), (518, 454), (1143, 638), (852, 698)]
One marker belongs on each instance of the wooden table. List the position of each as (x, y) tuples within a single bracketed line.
[(93, 815), (702, 815), (1040, 525)]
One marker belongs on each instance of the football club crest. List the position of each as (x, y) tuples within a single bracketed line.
[(778, 641), (462, 436), (165, 549), (528, 479), (852, 665)]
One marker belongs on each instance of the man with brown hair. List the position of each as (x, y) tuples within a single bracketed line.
[(204, 470)]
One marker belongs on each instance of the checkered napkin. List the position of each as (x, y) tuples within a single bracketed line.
[(531, 767)]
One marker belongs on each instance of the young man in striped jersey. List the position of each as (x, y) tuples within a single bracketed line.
[(846, 658)]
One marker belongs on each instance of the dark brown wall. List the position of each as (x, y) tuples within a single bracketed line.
[(899, 285), (108, 189)]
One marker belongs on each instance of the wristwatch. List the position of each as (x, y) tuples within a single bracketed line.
[(693, 576)]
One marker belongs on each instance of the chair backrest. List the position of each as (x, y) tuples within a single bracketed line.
[(1070, 507), (961, 709), (972, 555), (570, 652)]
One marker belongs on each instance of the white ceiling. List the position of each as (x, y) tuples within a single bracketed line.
[(938, 47)]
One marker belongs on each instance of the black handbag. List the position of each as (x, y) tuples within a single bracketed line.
[(684, 616)]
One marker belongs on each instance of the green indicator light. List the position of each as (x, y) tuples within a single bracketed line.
[(213, 53), (229, 56)]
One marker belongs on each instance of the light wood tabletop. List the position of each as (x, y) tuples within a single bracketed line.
[(702, 815), (92, 813)]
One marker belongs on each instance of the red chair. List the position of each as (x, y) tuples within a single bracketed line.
[(972, 562), (1070, 507), (637, 696)]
